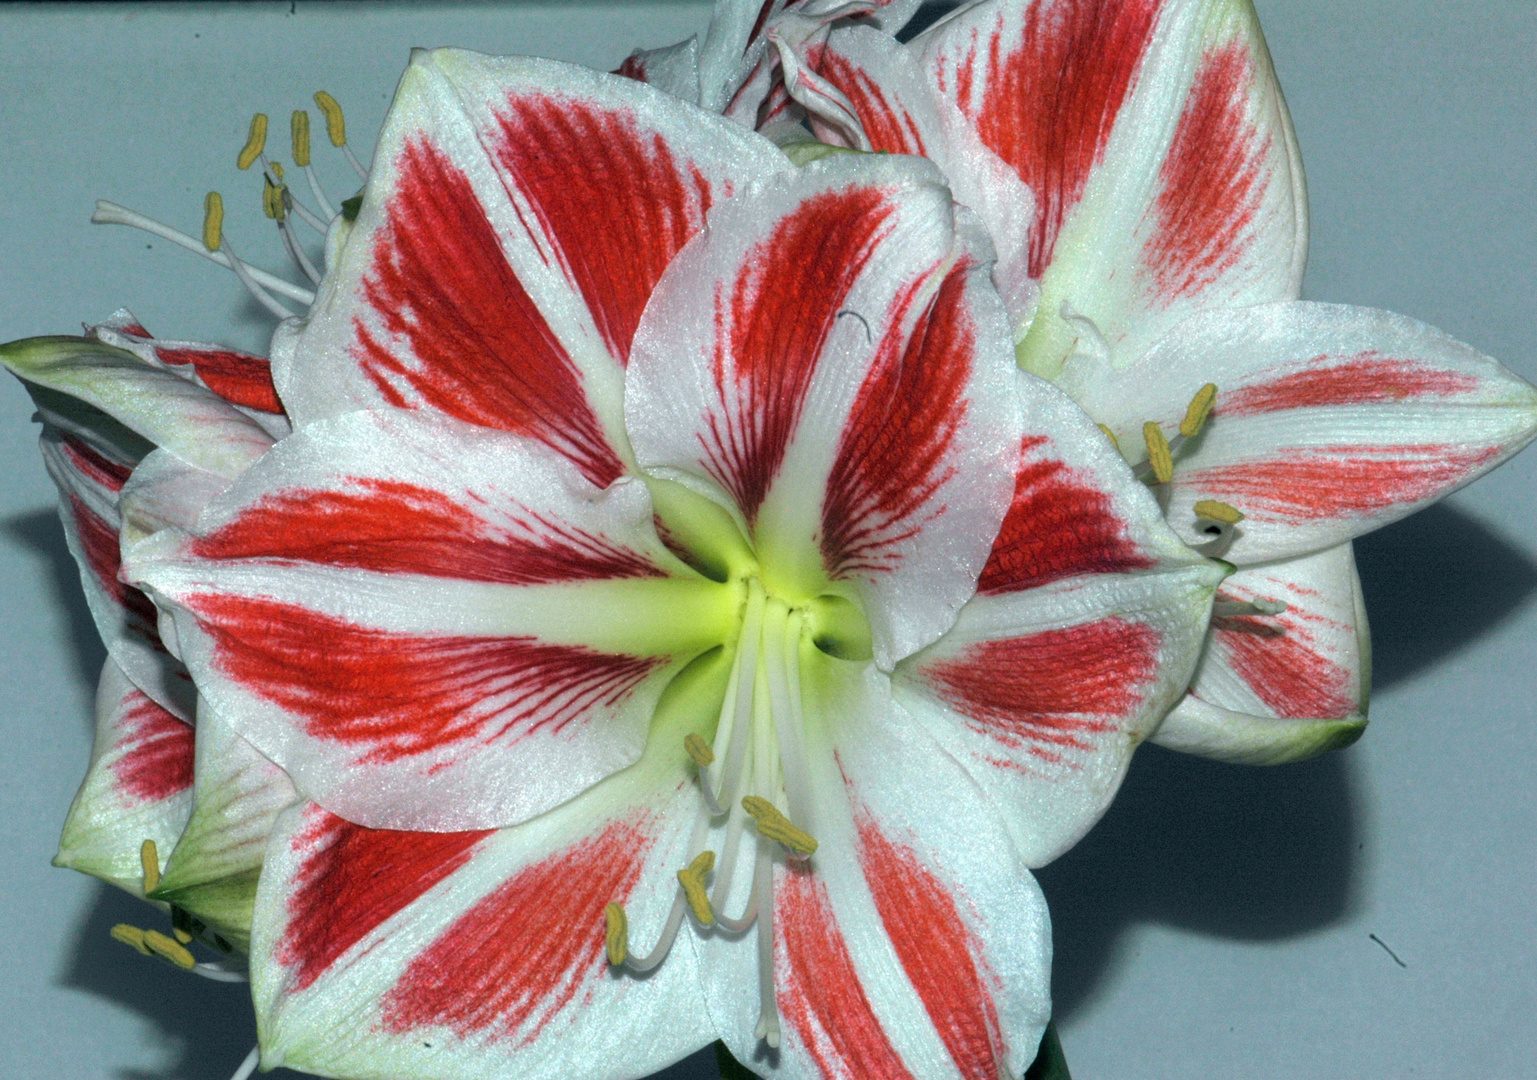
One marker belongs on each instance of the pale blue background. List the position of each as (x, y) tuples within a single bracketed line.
[(1215, 925)]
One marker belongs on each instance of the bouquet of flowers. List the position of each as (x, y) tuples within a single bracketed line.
[(703, 533)]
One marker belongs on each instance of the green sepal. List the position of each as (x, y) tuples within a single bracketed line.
[(1050, 1063), (218, 910)]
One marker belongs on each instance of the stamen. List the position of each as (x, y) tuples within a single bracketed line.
[(763, 901), (641, 965), (299, 127), (149, 860), (775, 826), (131, 936), (336, 129), (1111, 436), (170, 949), (735, 726), (261, 295), (1212, 510), (248, 1066), (781, 633), (692, 880), (616, 934), (110, 213), (213, 220), (255, 142), (699, 750), (181, 935), (1158, 453), (219, 973), (1198, 410)]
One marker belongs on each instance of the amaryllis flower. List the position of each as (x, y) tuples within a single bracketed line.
[(1136, 166), (667, 545)]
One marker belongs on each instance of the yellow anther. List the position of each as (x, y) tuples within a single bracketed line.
[(272, 200), (131, 936), (149, 859), (213, 220), (692, 880), (255, 142), (775, 826), (169, 948), (300, 126), (277, 169), (1213, 510), (336, 126), (616, 934), (182, 935), (1158, 455), (699, 750), (1198, 411), (1111, 436)]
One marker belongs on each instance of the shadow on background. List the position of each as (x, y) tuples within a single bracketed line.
[(1262, 854), (208, 1027), (42, 534), (1435, 582)]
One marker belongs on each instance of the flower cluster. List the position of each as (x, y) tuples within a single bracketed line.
[(714, 527)]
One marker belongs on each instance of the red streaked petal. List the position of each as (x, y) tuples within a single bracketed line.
[(237, 377), (519, 214), (157, 755), (497, 630), (1043, 82), (479, 348), (351, 880), (522, 954), (1213, 180), (450, 954), (391, 696), (96, 468), (394, 527), (1043, 693), (848, 391), (1329, 421), (1306, 484), (822, 998), (898, 446), (1060, 523), (138, 786), (937, 951)]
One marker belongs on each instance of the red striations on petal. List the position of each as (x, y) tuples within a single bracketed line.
[(780, 312), (396, 695), (1212, 181), (99, 541), (1368, 378), (939, 954), (237, 377), (894, 451), (614, 200), (632, 68), (158, 761), (354, 880), (1319, 484), (889, 128), (1058, 525), (1049, 692), (511, 963), (1280, 663), (820, 994), (470, 341), (392, 527), (100, 470), (1053, 96)]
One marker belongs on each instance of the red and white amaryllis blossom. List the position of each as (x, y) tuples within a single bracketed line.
[(1137, 168), (666, 537)]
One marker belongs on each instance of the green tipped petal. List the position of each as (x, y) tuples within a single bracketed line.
[(238, 795), (1195, 727), (192, 422)]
